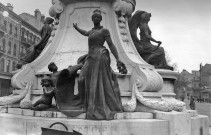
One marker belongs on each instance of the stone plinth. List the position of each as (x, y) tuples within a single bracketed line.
[(25, 125), (179, 122), (200, 125)]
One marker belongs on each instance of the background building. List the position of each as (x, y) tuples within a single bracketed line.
[(29, 36), (16, 35), (10, 25), (205, 82), (196, 83)]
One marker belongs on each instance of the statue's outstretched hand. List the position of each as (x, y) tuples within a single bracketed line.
[(121, 67), (75, 25), (159, 42)]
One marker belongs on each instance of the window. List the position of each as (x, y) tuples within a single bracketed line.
[(3, 44), (8, 66), (13, 66), (34, 38), (14, 50), (5, 24), (16, 32), (21, 50), (2, 65), (10, 29), (22, 32), (9, 47)]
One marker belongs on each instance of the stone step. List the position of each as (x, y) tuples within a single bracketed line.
[(56, 114), (25, 125)]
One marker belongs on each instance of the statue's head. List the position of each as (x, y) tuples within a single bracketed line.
[(48, 20), (52, 67), (146, 16), (141, 16), (96, 17), (47, 82)]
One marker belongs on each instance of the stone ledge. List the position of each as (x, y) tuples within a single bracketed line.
[(192, 113), (22, 125), (33, 92), (16, 111), (3, 109), (179, 122), (133, 115), (56, 114)]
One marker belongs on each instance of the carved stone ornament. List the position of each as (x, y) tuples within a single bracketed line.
[(126, 7), (56, 8), (163, 104), (7, 100)]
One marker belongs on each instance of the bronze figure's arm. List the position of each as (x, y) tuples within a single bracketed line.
[(120, 65), (112, 47), (83, 32), (148, 35)]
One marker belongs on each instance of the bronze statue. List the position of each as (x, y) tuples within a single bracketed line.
[(35, 51), (45, 101), (97, 81), (48, 84), (152, 54)]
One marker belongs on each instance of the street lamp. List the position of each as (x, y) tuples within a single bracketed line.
[(5, 14)]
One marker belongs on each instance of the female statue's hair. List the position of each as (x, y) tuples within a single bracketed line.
[(97, 12)]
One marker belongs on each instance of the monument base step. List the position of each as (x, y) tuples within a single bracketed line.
[(27, 125), (56, 114)]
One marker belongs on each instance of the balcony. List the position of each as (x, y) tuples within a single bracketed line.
[(6, 73)]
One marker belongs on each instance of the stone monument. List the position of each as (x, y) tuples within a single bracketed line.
[(147, 94)]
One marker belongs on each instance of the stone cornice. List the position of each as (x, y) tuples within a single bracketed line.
[(23, 22), (73, 1)]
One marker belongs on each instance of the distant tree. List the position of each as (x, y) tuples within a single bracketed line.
[(181, 85), (169, 61)]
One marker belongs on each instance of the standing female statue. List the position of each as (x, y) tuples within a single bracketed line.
[(97, 81)]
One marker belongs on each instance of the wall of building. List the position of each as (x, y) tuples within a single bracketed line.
[(13, 31)]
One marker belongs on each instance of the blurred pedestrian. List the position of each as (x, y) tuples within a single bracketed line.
[(192, 103)]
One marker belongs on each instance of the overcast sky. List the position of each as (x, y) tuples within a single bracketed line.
[(184, 26)]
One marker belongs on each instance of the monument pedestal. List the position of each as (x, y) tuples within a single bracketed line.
[(66, 45), (27, 122)]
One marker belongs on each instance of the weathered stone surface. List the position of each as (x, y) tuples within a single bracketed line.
[(3, 109), (48, 114), (12, 126), (192, 113), (199, 125), (20, 125), (37, 114), (60, 115), (17, 111), (27, 112), (135, 127), (134, 115), (179, 122)]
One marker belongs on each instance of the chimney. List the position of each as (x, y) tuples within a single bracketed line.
[(9, 6), (42, 18), (37, 14)]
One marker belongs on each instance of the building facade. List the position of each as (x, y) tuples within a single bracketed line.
[(9, 48), (205, 82), (198, 83), (29, 37), (16, 35)]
